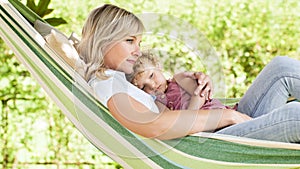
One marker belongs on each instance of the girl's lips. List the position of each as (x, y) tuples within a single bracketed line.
[(158, 87)]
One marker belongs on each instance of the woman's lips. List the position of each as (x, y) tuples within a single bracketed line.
[(132, 61)]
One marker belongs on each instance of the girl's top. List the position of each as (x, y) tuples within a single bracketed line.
[(117, 83), (176, 98)]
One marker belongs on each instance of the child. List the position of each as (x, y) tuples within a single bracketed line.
[(175, 93)]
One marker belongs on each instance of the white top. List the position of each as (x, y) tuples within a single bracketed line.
[(117, 83)]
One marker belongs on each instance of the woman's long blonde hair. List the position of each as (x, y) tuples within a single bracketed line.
[(105, 26)]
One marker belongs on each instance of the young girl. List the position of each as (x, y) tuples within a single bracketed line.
[(176, 93)]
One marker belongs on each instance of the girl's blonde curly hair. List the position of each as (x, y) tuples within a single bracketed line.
[(146, 61)]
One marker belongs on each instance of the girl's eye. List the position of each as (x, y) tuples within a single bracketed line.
[(151, 75), (142, 88)]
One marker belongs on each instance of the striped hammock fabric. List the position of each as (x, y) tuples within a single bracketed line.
[(77, 101)]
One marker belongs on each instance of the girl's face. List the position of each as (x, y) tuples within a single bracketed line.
[(152, 81), (122, 55)]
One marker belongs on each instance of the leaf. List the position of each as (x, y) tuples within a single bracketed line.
[(55, 21), (31, 5), (42, 7), (48, 11)]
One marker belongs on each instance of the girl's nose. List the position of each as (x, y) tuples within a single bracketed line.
[(152, 85)]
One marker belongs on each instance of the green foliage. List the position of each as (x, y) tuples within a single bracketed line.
[(33, 129), (34, 132), (245, 35), (42, 10)]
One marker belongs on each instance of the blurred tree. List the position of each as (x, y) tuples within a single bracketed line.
[(246, 35), (34, 131), (42, 10)]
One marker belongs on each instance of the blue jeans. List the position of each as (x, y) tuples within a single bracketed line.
[(266, 101)]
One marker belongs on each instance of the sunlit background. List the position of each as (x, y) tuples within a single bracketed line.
[(244, 34)]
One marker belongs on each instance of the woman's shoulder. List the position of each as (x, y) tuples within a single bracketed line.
[(111, 76), (117, 83)]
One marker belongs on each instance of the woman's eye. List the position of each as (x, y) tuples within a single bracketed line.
[(129, 40)]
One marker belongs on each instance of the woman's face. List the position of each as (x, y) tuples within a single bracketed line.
[(122, 55)]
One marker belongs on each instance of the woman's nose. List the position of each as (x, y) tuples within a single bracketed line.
[(137, 51)]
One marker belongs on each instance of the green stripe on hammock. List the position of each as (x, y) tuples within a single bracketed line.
[(101, 112)]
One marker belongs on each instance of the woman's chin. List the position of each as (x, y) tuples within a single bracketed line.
[(126, 70)]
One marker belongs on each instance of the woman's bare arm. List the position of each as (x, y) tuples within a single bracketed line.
[(168, 124)]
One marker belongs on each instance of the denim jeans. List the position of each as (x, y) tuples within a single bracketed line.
[(266, 101)]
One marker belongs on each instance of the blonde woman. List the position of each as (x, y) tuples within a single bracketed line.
[(110, 45)]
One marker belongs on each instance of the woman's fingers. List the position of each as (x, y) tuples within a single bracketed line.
[(204, 88)]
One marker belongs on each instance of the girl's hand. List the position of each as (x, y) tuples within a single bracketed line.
[(205, 88)]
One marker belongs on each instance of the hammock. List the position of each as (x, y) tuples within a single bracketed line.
[(77, 101)]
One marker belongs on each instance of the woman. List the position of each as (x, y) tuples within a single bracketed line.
[(110, 45)]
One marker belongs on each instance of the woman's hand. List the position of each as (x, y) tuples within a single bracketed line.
[(237, 117), (230, 117), (205, 88)]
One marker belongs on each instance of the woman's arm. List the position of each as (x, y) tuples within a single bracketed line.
[(168, 124), (188, 84)]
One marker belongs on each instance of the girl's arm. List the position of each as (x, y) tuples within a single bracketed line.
[(187, 83), (161, 107), (196, 102), (190, 85), (168, 124)]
